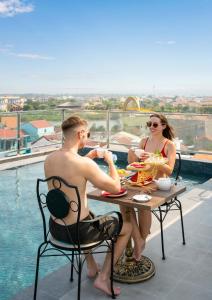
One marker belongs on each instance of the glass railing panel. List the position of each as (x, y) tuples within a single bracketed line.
[(193, 132), (8, 134), (97, 123), (127, 128), (117, 129), (42, 131)]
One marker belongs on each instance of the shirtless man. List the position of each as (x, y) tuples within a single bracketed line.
[(77, 170)]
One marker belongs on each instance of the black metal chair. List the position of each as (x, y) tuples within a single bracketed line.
[(173, 204), (57, 204)]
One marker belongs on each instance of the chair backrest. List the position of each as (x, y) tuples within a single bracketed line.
[(56, 202), (178, 165)]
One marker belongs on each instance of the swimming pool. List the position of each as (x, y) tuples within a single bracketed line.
[(21, 227)]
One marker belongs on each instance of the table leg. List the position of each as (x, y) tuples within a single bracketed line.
[(128, 269)]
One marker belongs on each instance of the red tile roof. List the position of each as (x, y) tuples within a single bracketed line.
[(10, 122), (40, 124), (92, 143), (10, 133), (123, 137)]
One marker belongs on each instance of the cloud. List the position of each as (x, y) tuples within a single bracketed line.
[(6, 50), (10, 8), (32, 56), (165, 42)]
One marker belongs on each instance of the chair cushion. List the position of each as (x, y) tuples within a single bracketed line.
[(57, 203)]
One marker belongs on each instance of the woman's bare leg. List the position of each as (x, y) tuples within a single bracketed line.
[(139, 242), (145, 221)]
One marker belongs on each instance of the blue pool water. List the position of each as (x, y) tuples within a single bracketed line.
[(21, 228)]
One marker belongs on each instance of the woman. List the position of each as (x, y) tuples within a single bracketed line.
[(159, 141)]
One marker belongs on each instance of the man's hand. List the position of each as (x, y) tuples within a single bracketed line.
[(92, 154), (108, 157)]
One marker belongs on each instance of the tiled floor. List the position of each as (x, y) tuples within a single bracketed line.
[(185, 274)]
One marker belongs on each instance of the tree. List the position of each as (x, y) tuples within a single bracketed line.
[(115, 128), (93, 127)]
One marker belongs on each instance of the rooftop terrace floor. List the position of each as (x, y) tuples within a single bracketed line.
[(185, 274)]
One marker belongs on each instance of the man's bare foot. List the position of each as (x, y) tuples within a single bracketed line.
[(91, 273), (138, 249), (104, 285)]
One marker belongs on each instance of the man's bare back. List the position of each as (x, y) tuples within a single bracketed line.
[(69, 166)]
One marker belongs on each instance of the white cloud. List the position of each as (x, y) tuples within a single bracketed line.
[(10, 8), (32, 56), (171, 42), (165, 42), (6, 50)]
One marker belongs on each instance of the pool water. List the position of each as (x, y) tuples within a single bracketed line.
[(21, 227)]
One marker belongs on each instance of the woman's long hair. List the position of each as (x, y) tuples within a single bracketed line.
[(168, 132)]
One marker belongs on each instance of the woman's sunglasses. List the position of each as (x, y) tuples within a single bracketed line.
[(150, 124)]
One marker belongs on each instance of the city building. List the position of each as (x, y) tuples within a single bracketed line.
[(38, 128), (8, 140)]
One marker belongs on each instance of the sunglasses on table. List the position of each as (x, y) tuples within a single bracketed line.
[(152, 124)]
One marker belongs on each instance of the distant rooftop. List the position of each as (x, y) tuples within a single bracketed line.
[(6, 133), (40, 124)]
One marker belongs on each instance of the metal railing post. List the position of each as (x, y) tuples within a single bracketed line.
[(108, 129), (18, 133), (62, 119)]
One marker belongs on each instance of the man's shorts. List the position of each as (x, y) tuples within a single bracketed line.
[(105, 228)]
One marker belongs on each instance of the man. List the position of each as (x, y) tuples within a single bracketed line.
[(77, 170)]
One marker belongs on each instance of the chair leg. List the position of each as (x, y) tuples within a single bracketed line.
[(79, 278), (72, 266), (37, 271), (181, 218), (161, 233), (111, 274)]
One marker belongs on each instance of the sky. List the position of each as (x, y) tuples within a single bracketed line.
[(161, 47)]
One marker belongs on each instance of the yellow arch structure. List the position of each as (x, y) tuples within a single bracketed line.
[(133, 103)]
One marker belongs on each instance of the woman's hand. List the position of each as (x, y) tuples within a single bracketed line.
[(131, 156), (137, 154), (144, 155)]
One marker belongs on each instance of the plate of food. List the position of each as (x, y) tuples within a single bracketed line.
[(148, 181), (138, 166), (119, 194), (124, 173), (134, 180), (142, 198)]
